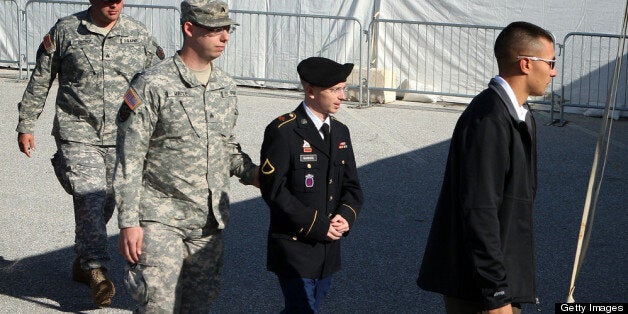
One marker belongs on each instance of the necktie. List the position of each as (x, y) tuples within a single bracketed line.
[(325, 130)]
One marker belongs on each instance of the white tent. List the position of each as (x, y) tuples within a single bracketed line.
[(264, 57)]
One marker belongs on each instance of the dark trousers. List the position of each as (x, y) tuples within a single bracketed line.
[(303, 295), (458, 306)]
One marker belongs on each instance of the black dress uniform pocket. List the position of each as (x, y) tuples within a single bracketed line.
[(307, 176)]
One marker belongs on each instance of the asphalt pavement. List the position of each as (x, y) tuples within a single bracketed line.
[(400, 150)]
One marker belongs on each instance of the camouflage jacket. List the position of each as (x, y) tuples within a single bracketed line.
[(94, 71), (176, 149)]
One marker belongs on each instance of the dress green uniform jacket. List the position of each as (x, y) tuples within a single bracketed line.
[(176, 149), (305, 184), (94, 71)]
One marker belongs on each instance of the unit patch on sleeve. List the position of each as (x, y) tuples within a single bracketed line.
[(160, 53), (131, 99), (48, 43)]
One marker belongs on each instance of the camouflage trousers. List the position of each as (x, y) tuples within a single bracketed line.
[(180, 268), (86, 171)]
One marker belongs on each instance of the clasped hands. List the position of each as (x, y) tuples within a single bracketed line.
[(338, 225)]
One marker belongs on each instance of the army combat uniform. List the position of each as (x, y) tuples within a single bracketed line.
[(176, 152), (94, 67)]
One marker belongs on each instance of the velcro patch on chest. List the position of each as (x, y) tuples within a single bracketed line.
[(129, 40)]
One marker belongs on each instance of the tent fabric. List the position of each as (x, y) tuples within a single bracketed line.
[(560, 17)]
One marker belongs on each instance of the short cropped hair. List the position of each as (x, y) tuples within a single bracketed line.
[(516, 39)]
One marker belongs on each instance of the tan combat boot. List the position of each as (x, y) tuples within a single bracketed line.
[(102, 288)]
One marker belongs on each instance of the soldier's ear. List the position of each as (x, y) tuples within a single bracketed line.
[(309, 91), (187, 29)]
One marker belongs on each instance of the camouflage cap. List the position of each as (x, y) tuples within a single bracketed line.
[(208, 13)]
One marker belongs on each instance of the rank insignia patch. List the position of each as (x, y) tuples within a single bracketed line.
[(131, 99), (267, 167)]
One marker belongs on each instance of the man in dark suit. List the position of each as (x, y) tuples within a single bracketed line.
[(310, 182), (480, 251)]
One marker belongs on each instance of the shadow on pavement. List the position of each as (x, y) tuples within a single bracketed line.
[(381, 257)]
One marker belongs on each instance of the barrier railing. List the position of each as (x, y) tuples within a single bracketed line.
[(283, 40), (588, 61), (447, 59), (432, 58), (48, 12), (10, 18)]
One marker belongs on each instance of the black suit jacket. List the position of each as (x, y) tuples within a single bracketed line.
[(481, 244), (305, 183)]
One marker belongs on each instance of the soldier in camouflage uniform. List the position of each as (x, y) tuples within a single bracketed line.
[(176, 152), (94, 54)]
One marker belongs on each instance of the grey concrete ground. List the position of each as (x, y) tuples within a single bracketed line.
[(400, 150)]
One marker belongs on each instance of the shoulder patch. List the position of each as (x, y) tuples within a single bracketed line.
[(160, 53), (131, 99), (286, 118), (48, 44)]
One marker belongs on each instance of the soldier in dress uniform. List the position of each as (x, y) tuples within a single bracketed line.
[(310, 182), (94, 54)]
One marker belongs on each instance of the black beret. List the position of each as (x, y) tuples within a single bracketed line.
[(323, 72)]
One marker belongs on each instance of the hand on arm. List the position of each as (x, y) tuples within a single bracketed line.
[(255, 181), (26, 142), (130, 243)]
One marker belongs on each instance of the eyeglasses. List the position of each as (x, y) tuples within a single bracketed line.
[(213, 31), (550, 62), (338, 90)]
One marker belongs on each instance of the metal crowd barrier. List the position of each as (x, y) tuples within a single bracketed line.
[(48, 12), (273, 42), (588, 61), (451, 59), (11, 17)]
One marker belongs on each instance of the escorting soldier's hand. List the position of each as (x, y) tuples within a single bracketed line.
[(26, 142), (130, 243)]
